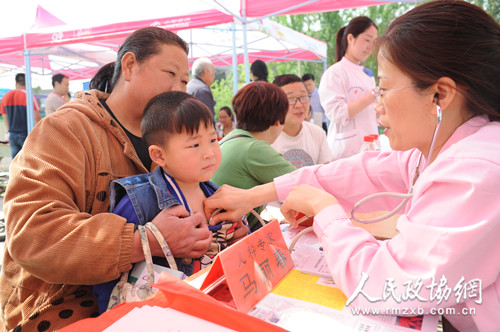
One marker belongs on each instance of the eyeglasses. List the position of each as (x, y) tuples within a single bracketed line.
[(303, 99), (378, 92)]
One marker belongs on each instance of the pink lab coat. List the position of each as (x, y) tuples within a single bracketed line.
[(450, 228)]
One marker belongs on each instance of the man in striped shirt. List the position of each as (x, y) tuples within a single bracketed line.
[(13, 109)]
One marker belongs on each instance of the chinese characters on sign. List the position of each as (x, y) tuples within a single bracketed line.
[(253, 266)]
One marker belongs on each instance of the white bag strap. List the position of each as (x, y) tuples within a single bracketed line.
[(163, 244), (147, 254)]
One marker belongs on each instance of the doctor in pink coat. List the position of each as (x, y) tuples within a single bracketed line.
[(439, 101)]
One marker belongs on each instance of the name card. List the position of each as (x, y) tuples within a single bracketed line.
[(252, 267)]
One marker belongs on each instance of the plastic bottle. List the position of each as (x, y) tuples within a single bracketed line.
[(367, 144), (376, 143)]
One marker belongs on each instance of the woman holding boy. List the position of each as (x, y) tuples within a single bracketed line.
[(60, 237)]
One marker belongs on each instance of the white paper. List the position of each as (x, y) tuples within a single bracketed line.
[(149, 318), (301, 316)]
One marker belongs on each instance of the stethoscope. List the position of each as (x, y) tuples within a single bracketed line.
[(406, 197)]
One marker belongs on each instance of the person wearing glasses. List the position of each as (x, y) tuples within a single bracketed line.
[(248, 159), (301, 142), (441, 112), (345, 89)]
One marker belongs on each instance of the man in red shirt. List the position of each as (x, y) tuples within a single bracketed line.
[(13, 109)]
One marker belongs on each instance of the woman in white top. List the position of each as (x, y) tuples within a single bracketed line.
[(345, 89)]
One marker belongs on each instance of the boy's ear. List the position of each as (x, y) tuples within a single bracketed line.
[(156, 154)]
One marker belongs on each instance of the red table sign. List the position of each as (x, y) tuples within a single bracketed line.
[(252, 267)]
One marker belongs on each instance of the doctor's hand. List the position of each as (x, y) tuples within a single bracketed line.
[(234, 203), (237, 202), (307, 200)]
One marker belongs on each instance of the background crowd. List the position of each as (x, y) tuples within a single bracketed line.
[(258, 149)]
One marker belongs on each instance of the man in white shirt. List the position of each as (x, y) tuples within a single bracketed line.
[(301, 143)]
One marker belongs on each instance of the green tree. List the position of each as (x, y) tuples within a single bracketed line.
[(222, 91)]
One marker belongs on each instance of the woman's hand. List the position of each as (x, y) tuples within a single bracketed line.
[(186, 235), (307, 200), (237, 202)]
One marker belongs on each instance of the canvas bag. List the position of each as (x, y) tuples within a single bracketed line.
[(124, 291)]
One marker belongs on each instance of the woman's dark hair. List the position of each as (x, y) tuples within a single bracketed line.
[(259, 70), (283, 80), (356, 26), (449, 38), (228, 111), (144, 43), (172, 112), (259, 105)]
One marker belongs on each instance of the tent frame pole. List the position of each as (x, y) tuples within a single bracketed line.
[(235, 60), (30, 116)]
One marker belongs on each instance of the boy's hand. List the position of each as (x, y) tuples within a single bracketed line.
[(240, 232)]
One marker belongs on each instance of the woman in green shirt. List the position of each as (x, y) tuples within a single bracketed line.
[(248, 159)]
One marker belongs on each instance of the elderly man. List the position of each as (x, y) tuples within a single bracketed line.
[(203, 72)]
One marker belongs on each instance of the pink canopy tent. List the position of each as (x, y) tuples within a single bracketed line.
[(262, 8), (49, 29), (51, 36), (215, 12)]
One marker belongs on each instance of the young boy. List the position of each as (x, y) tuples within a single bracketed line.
[(179, 132)]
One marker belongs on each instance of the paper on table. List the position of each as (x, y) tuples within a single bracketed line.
[(149, 318), (308, 254), (306, 287), (297, 316)]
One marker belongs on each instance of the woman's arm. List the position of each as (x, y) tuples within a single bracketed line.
[(238, 202), (351, 179), (333, 90), (355, 107), (452, 221)]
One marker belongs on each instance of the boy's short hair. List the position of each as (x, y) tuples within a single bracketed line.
[(259, 105), (172, 112)]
